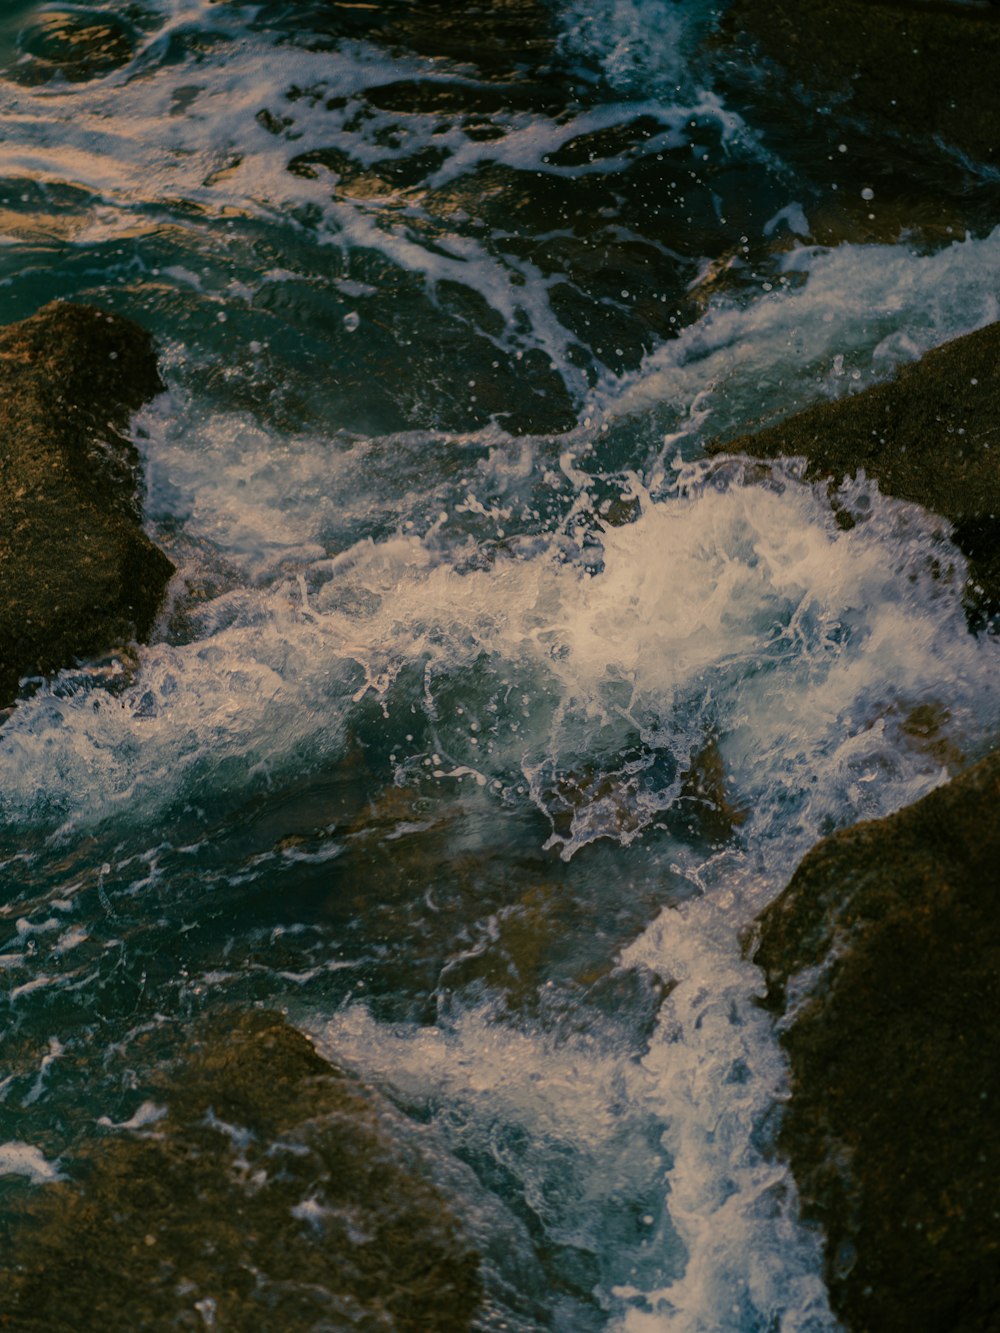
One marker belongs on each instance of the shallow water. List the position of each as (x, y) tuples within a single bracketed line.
[(463, 611)]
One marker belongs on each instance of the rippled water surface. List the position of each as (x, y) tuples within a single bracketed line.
[(485, 713)]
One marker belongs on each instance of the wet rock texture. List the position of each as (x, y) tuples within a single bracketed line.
[(273, 1196), (924, 71), (73, 44), (500, 37), (883, 953), (931, 435), (77, 573)]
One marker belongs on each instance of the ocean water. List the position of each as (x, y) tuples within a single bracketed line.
[(485, 711)]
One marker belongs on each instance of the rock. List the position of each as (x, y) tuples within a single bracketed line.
[(883, 954), (921, 71), (499, 38), (77, 44), (930, 435), (77, 572), (705, 795), (274, 1194)]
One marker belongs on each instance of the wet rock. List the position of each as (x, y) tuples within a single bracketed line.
[(926, 220), (930, 436), (423, 902), (925, 729), (706, 798), (879, 156), (77, 573), (576, 263), (921, 71), (270, 1191), (883, 953), (499, 38), (76, 44)]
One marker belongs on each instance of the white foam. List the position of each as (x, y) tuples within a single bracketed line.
[(742, 611), (639, 45), (566, 1119), (581, 1128), (24, 1159), (156, 132), (37, 1089), (733, 611), (148, 1113), (718, 1076)]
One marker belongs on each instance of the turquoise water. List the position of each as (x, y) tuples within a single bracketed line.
[(447, 312)]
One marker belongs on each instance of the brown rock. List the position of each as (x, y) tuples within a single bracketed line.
[(77, 572), (883, 953), (274, 1195)]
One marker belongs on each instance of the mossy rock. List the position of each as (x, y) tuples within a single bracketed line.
[(930, 436), (883, 953), (275, 1194), (77, 573)]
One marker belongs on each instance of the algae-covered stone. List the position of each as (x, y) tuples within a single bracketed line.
[(274, 1195), (884, 954), (930, 435), (77, 572), (924, 71)]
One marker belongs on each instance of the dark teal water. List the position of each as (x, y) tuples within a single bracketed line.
[(447, 309)]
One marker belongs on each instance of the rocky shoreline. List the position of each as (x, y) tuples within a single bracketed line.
[(882, 956)]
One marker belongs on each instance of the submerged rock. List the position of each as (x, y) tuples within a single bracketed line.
[(75, 44), (77, 572), (498, 38), (923, 71), (270, 1193), (930, 435), (883, 953)]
